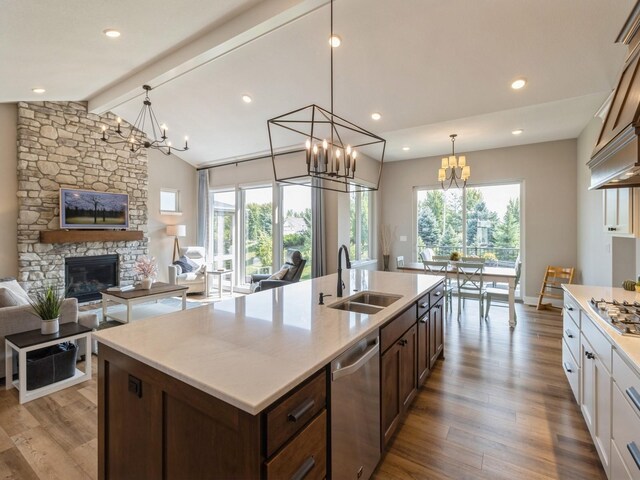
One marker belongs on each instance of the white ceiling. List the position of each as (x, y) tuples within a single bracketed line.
[(430, 67)]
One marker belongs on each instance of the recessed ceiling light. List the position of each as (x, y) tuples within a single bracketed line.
[(247, 99), (111, 33), (518, 84), (376, 116), (406, 149), (517, 131), (38, 90), (335, 41)]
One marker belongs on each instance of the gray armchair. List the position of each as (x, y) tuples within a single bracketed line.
[(294, 267)]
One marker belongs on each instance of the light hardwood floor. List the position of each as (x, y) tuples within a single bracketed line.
[(498, 407)]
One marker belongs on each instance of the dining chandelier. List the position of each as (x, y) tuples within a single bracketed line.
[(453, 168), (137, 138), (332, 148)]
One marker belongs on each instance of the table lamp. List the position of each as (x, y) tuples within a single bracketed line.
[(176, 231)]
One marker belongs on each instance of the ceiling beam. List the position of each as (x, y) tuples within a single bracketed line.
[(250, 25)]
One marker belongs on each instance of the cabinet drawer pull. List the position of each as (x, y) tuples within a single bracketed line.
[(437, 294), (589, 355), (306, 467), (635, 453), (299, 412), (569, 307), (402, 343), (424, 305), (567, 367), (633, 394), (569, 334), (423, 320)]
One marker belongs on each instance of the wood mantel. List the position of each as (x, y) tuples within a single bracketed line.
[(77, 236)]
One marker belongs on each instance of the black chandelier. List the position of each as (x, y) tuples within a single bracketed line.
[(137, 138), (334, 148), (454, 168)]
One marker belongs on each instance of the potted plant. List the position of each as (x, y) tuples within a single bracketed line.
[(47, 304), (386, 239), (148, 269), (455, 256)]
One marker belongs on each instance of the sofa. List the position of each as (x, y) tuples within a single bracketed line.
[(20, 318), (291, 271), (196, 280)]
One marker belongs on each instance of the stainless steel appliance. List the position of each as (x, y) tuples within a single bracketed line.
[(355, 411), (623, 316)]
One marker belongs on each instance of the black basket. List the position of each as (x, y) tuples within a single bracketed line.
[(51, 364)]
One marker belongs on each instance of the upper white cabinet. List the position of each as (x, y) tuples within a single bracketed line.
[(619, 211)]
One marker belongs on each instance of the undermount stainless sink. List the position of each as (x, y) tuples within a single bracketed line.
[(365, 302)]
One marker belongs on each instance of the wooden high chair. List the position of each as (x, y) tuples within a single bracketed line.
[(552, 283)]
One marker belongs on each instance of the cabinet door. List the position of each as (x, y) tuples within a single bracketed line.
[(436, 342), (587, 385), (391, 402), (424, 357), (408, 377), (610, 200), (625, 211)]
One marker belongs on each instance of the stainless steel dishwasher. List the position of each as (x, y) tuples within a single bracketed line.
[(355, 411)]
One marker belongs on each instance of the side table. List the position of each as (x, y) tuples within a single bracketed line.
[(25, 342), (220, 274)]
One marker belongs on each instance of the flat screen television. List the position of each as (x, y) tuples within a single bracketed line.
[(84, 209)]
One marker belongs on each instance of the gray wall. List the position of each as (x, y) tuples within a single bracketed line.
[(170, 172), (547, 172), (8, 190)]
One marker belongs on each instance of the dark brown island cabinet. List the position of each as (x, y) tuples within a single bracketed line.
[(154, 426)]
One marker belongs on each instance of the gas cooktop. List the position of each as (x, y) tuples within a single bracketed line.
[(623, 316)]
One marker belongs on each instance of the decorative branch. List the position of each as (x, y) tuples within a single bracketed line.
[(387, 235)]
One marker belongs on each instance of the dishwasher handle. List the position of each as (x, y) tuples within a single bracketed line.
[(355, 366)]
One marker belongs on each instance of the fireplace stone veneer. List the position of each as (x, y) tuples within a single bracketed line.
[(59, 145)]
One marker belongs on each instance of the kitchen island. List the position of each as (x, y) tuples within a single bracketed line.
[(224, 391)]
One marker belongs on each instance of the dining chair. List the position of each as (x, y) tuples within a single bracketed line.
[(500, 294), (440, 258), (431, 267), (400, 261), (470, 284), (473, 260)]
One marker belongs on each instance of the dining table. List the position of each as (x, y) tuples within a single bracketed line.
[(490, 274)]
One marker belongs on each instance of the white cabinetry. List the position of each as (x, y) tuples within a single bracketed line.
[(619, 211), (625, 441)]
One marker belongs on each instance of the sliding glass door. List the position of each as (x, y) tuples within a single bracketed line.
[(479, 221), (257, 231), (223, 227), (296, 224)]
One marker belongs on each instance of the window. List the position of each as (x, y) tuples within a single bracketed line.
[(257, 232), (296, 224), (169, 201), (360, 226), (486, 217), (223, 225)]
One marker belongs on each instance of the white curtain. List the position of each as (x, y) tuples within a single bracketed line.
[(203, 209)]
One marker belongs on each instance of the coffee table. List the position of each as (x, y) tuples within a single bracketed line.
[(220, 274), (137, 296), (25, 342)]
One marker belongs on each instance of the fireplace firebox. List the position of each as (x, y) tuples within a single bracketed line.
[(85, 277)]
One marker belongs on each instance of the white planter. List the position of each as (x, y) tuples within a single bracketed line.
[(49, 327), (146, 283)]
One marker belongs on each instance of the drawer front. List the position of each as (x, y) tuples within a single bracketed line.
[(306, 455), (423, 305), (571, 308), (436, 294), (628, 382), (393, 330), (598, 341), (291, 414), (571, 335), (571, 370), (626, 433), (619, 470)]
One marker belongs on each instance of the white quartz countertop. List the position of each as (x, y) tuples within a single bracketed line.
[(249, 351), (628, 346)]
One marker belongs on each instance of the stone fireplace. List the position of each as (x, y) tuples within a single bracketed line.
[(59, 145)]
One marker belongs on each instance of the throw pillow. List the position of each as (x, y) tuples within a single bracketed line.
[(184, 264), (18, 292), (194, 265), (279, 275), (7, 299)]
